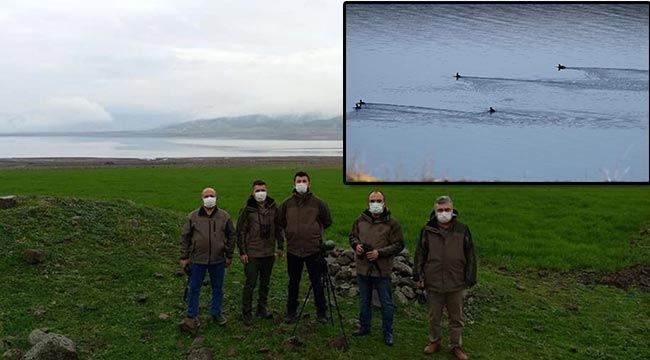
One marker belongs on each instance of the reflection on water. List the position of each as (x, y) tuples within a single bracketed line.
[(147, 148), (401, 60)]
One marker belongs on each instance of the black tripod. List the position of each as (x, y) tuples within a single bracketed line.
[(326, 280)]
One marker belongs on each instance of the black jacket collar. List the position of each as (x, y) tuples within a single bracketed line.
[(252, 203), (202, 211)]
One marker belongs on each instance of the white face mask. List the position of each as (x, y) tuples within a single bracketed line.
[(260, 196), (376, 208), (209, 201), (301, 188), (444, 217)]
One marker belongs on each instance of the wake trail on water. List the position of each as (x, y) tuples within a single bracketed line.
[(384, 113), (596, 79)]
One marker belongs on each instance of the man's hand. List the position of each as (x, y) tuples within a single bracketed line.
[(228, 262), (372, 255), (359, 249), (280, 253), (243, 259), (420, 284), (184, 263)]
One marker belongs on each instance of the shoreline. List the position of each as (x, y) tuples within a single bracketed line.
[(91, 162)]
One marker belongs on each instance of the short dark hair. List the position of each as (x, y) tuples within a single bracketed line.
[(301, 173), (259, 182), (379, 192)]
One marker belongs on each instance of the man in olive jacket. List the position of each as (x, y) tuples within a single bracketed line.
[(445, 265), (304, 217), (257, 235), (375, 238), (207, 244)]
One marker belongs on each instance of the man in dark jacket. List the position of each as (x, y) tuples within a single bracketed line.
[(445, 265), (207, 244), (375, 238), (304, 217), (257, 234)]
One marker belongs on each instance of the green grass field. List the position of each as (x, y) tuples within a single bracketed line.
[(100, 262)]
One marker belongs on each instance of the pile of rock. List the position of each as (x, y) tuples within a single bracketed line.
[(46, 346), (342, 269)]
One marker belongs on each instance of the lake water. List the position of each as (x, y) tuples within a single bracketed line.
[(158, 147), (588, 122)]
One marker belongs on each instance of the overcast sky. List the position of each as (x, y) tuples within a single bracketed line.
[(135, 64)]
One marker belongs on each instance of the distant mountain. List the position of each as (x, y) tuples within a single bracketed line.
[(305, 127)]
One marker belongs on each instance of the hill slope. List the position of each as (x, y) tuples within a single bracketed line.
[(103, 255)]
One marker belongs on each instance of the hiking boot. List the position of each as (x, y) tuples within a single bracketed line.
[(290, 317), (388, 339), (459, 353), (248, 319), (263, 314), (220, 319), (361, 331), (433, 347), (322, 319)]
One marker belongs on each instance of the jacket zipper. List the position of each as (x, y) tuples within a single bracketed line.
[(209, 241)]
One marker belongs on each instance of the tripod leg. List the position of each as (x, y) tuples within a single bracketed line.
[(338, 310), (301, 311), (330, 290)]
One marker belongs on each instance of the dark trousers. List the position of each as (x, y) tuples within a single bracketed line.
[(315, 266), (385, 292), (217, 272), (257, 268), (453, 301)]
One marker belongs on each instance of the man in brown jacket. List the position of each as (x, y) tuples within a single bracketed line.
[(257, 234), (445, 265), (304, 217), (375, 238), (207, 244)]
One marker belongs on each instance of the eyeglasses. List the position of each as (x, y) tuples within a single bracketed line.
[(441, 210), (376, 201)]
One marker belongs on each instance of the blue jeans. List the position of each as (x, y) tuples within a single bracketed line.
[(196, 281), (385, 292)]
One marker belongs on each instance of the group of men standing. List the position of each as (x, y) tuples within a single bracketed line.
[(445, 262)]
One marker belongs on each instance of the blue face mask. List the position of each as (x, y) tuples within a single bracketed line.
[(376, 208)]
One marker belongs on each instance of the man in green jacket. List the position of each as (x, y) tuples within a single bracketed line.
[(207, 244), (376, 237), (445, 265), (257, 235), (304, 217)]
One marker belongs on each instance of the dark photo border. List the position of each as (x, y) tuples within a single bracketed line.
[(345, 168)]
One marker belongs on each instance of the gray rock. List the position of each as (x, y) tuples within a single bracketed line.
[(352, 292), (8, 201), (349, 254), (402, 268), (393, 279), (345, 286), (343, 261), (12, 354), (188, 325), (198, 342), (344, 274), (200, 354), (406, 281), (375, 298), (408, 292), (52, 347), (334, 268), (401, 298), (37, 336), (34, 256)]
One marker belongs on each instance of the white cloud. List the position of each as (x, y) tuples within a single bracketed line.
[(55, 113), (198, 58)]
